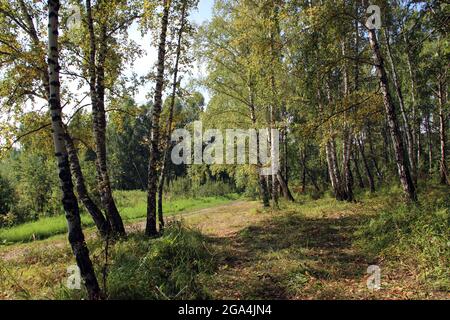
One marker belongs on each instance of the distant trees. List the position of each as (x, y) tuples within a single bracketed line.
[(7, 199), (127, 142)]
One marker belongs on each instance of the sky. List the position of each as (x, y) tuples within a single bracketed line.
[(143, 64)]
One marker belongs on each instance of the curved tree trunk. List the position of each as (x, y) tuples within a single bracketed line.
[(70, 203), (284, 187), (101, 223)]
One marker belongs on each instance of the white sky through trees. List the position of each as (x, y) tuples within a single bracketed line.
[(144, 64)]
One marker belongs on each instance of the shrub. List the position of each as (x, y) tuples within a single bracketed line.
[(7, 196), (185, 188), (7, 201)]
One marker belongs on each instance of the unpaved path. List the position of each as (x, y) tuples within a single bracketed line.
[(17, 251), (298, 255)]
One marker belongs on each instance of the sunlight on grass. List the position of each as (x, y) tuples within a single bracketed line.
[(132, 206)]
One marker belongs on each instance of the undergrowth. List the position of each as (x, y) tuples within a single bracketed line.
[(165, 268), (417, 236)]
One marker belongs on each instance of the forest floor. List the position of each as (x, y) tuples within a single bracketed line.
[(303, 251)]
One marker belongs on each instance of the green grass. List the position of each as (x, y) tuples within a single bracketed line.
[(413, 235), (132, 206), (169, 267), (311, 249)]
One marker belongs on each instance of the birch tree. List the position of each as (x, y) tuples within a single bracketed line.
[(69, 200)]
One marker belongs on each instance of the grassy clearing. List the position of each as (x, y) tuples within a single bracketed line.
[(132, 206), (166, 268), (170, 267), (303, 251), (321, 250), (313, 249)]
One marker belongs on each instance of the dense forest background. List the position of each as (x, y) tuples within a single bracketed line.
[(362, 112)]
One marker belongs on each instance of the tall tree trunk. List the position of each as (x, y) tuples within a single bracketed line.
[(430, 143), (70, 203), (97, 93), (99, 220), (347, 173), (442, 135), (372, 154), (366, 165), (274, 34), (357, 169), (347, 139), (101, 223), (398, 91), (333, 169), (163, 170), (402, 164), (303, 162), (416, 115), (263, 189), (330, 150), (151, 229)]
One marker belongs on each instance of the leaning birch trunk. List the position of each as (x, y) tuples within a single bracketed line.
[(399, 150), (92, 208), (284, 187), (151, 229), (101, 223), (398, 91), (70, 203)]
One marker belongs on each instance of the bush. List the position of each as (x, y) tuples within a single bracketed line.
[(185, 188), (7, 196), (9, 213)]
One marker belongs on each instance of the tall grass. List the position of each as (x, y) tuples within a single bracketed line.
[(417, 235), (132, 206), (169, 267)]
